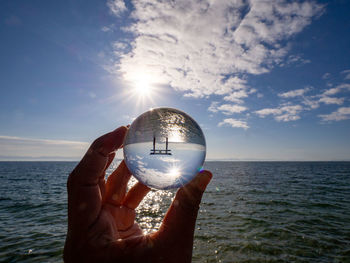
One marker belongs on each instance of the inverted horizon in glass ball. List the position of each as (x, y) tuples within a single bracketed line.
[(164, 148)]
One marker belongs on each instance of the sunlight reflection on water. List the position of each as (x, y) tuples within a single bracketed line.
[(250, 212), (151, 210)]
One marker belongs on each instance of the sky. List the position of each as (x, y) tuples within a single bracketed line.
[(265, 79)]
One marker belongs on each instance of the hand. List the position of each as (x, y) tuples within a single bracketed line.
[(101, 216)]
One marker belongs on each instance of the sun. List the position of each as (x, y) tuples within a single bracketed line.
[(174, 172), (142, 88)]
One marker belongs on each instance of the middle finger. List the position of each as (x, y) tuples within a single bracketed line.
[(117, 184)]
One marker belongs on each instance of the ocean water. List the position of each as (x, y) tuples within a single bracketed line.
[(251, 212)]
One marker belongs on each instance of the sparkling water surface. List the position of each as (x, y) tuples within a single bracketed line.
[(164, 148), (251, 212)]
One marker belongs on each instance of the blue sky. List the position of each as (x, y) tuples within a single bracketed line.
[(266, 80)]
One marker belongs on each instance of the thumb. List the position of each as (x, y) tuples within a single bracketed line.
[(179, 222)]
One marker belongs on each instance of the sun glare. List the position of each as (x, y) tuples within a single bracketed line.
[(142, 86), (142, 89), (174, 172)]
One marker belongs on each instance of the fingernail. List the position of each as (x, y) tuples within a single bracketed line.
[(202, 179)]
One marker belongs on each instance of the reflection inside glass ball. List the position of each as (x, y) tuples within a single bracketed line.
[(164, 148)]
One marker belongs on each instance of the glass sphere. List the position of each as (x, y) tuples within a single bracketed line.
[(164, 148)]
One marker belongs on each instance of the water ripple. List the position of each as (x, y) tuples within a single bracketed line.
[(251, 212)]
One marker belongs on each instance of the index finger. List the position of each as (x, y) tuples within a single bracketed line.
[(84, 195), (95, 160)]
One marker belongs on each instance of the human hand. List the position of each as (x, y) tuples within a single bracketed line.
[(101, 215)]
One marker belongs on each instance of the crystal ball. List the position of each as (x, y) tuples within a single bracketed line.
[(164, 148)]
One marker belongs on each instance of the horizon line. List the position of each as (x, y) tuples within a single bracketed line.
[(208, 160)]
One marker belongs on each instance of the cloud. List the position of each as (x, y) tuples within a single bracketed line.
[(287, 112), (326, 75), (346, 73), (313, 104), (332, 91), (229, 109), (117, 7), (106, 29), (344, 86), (297, 59), (337, 89), (237, 96), (27, 148), (234, 123), (325, 96), (268, 111), (330, 100), (213, 106), (197, 47), (204, 48), (287, 117), (294, 93), (342, 113), (283, 113)]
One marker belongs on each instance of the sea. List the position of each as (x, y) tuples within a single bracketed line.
[(251, 212)]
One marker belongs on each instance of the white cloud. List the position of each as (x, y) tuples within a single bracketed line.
[(213, 106), (237, 96), (294, 93), (284, 113), (268, 111), (313, 104), (337, 89), (234, 123), (229, 109), (297, 59), (287, 117), (331, 100), (347, 73), (117, 7), (291, 113), (325, 96), (326, 75), (288, 112), (27, 148), (344, 86), (342, 113), (106, 29), (332, 91), (203, 48)]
